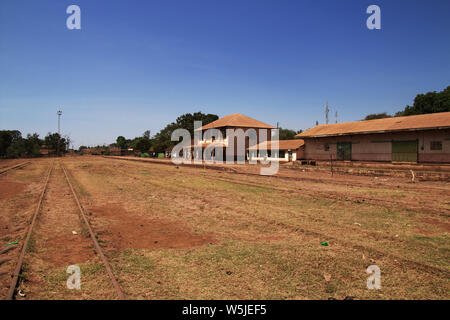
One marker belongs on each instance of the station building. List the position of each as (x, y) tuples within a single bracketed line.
[(415, 139)]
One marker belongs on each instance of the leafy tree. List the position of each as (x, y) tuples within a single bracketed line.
[(51, 140), (162, 140), (121, 142), (374, 116), (286, 134), (141, 144), (17, 149), (7, 138), (430, 102), (22, 147), (186, 121), (33, 145)]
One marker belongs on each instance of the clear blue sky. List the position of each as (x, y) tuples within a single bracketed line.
[(137, 65)]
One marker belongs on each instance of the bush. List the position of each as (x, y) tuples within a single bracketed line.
[(145, 155)]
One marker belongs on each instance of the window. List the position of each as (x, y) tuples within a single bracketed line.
[(436, 145), (281, 154), (326, 147)]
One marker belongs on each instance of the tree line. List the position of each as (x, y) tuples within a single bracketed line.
[(430, 102), (13, 145)]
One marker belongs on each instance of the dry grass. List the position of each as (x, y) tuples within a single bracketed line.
[(266, 235)]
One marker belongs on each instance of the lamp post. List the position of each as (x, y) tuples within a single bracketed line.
[(59, 113)]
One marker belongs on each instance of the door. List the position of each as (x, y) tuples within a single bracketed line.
[(404, 151), (344, 151)]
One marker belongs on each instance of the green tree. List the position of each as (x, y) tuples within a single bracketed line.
[(51, 140), (121, 142), (7, 138), (33, 145), (186, 121), (162, 140), (286, 134), (374, 116), (141, 144), (17, 149), (430, 102)]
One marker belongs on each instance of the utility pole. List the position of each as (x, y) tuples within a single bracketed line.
[(59, 113), (336, 116), (326, 113)]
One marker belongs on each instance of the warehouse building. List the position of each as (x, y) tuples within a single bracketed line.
[(420, 138)]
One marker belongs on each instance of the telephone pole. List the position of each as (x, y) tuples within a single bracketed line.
[(326, 113), (59, 113)]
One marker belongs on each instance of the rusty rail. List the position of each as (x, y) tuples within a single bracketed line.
[(94, 239), (15, 275), (17, 166)]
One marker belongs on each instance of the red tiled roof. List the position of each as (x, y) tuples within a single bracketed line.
[(417, 122), (236, 120)]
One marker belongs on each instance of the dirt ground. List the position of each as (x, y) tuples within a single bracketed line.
[(176, 232)]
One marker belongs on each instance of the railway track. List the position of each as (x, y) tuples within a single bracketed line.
[(304, 191), (11, 293), (17, 166), (94, 238), (292, 177), (340, 196), (425, 267)]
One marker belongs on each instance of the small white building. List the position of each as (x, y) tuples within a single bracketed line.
[(287, 150)]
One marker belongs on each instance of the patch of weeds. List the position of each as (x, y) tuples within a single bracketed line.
[(135, 263), (84, 231), (330, 288), (31, 246), (23, 275), (56, 278), (92, 269)]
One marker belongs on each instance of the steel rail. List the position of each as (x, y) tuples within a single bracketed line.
[(94, 239), (15, 275), (419, 265), (17, 166)]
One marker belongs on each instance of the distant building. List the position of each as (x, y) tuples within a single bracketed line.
[(115, 151), (45, 151), (233, 121), (420, 138), (287, 150)]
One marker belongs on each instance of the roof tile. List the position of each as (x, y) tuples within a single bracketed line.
[(417, 122)]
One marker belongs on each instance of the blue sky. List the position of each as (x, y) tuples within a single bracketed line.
[(136, 65)]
